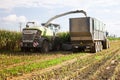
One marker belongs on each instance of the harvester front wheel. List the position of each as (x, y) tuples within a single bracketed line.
[(22, 49)]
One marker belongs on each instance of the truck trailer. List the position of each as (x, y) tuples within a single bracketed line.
[(88, 33)]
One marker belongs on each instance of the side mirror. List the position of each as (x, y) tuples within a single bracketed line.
[(107, 33), (27, 26)]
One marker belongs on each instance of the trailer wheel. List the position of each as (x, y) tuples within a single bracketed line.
[(45, 47), (94, 48), (75, 50), (101, 46), (106, 44)]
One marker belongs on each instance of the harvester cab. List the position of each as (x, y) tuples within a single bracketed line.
[(30, 24), (52, 26)]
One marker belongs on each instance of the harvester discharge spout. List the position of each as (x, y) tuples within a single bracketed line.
[(63, 14)]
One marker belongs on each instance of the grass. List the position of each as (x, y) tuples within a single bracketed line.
[(26, 68), (112, 38), (25, 58)]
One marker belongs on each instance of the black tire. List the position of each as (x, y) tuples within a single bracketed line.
[(94, 48), (24, 49), (75, 50), (98, 47), (106, 44), (82, 49), (45, 47), (57, 44), (101, 46)]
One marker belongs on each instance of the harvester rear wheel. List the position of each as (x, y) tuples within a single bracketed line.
[(45, 47), (57, 44)]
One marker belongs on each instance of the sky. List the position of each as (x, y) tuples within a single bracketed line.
[(14, 12)]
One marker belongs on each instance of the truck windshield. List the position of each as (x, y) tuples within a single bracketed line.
[(29, 34)]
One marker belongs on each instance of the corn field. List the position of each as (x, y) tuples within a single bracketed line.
[(9, 40), (65, 37)]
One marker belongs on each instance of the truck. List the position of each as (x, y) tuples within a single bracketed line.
[(88, 33), (40, 38)]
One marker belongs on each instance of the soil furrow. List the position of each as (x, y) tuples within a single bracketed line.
[(70, 69), (116, 73), (49, 72), (63, 71), (83, 74), (105, 71)]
